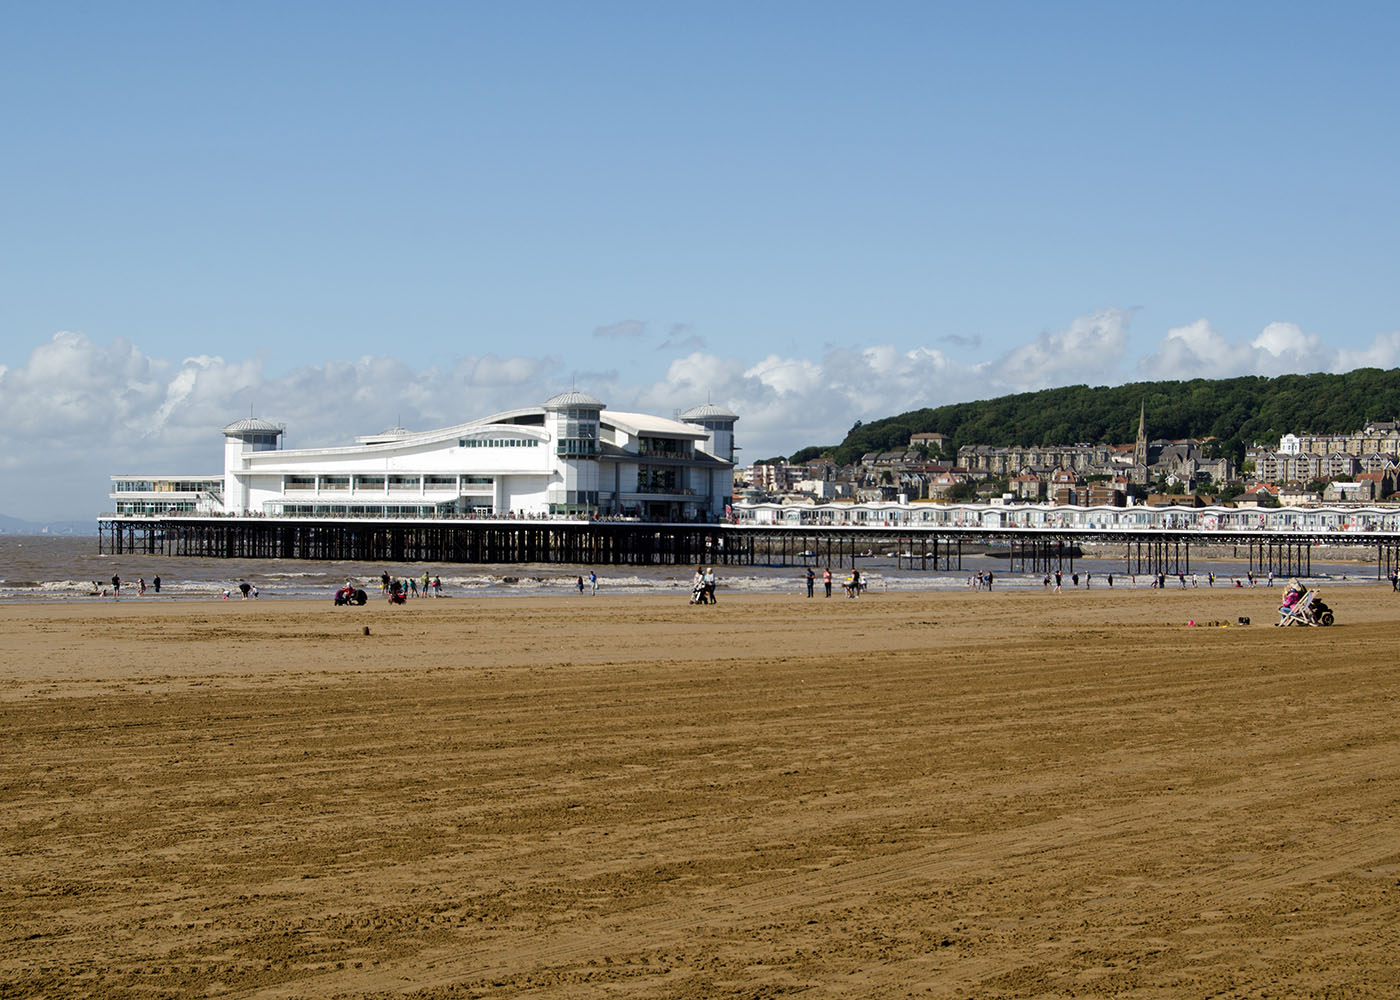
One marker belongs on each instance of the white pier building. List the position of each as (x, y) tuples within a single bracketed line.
[(569, 456)]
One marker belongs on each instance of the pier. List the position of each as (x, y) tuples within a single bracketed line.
[(638, 543)]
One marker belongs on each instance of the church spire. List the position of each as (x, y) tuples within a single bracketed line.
[(1140, 449)]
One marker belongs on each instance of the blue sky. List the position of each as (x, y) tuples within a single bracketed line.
[(345, 216)]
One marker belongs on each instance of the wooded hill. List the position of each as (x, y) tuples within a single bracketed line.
[(1236, 413)]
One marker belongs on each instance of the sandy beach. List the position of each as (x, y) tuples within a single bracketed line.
[(945, 795)]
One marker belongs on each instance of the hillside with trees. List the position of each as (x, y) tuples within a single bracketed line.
[(1234, 413)]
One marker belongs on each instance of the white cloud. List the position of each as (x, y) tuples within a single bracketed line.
[(1190, 351), (1089, 350), (1198, 350), (1383, 352)]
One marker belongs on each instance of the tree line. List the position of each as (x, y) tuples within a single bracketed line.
[(1233, 413)]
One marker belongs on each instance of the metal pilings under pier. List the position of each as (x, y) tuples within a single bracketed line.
[(1042, 555), (1281, 556), (580, 543), (1153, 555)]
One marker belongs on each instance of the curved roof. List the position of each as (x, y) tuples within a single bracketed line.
[(248, 424), (572, 398), (708, 411)]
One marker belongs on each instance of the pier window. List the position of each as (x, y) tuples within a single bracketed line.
[(658, 447), (510, 442), (656, 479), (440, 482), (299, 483), (375, 483), (404, 482), (335, 482)]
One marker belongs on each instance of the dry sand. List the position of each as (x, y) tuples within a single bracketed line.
[(948, 795)]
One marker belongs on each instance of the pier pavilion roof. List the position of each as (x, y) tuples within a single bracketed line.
[(571, 399), (248, 424), (708, 411)]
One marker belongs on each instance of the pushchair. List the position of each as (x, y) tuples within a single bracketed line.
[(699, 593)]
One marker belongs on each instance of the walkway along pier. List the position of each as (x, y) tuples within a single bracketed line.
[(638, 543)]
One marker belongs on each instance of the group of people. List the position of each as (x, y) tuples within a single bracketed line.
[(592, 583), (702, 587), (854, 584), (117, 586), (398, 591)]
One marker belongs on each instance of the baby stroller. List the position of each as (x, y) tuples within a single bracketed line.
[(699, 593)]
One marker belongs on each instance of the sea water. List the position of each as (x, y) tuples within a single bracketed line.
[(47, 568)]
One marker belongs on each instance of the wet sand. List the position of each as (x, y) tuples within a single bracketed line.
[(947, 795)]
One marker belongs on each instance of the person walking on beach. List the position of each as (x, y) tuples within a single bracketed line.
[(710, 584), (811, 582), (437, 586), (580, 585), (1110, 581), (156, 583), (593, 582), (140, 586), (116, 585), (244, 587), (384, 582), (826, 580)]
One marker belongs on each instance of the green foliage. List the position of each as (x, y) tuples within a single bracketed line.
[(1236, 412)]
